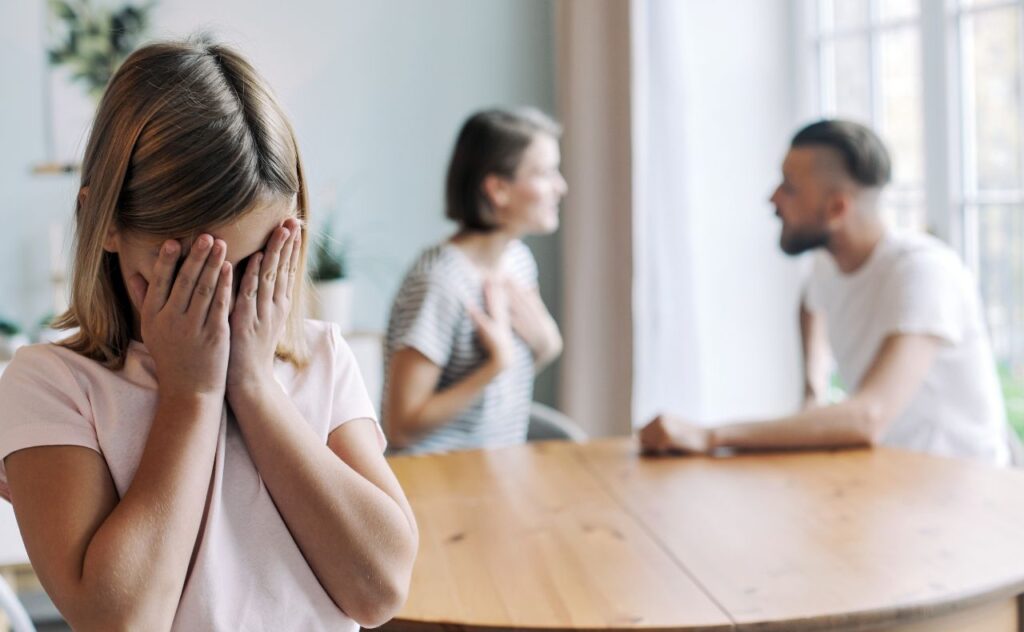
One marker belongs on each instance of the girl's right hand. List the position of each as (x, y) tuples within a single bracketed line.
[(494, 327), (185, 317)]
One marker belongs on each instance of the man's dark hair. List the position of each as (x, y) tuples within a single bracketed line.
[(863, 153)]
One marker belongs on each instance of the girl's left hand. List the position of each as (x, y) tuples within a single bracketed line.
[(261, 309)]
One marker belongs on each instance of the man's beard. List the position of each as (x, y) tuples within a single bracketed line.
[(801, 241)]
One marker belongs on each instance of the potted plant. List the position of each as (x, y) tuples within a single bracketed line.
[(332, 288), (93, 40), (87, 41)]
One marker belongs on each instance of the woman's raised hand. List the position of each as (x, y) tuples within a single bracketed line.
[(533, 323), (493, 327)]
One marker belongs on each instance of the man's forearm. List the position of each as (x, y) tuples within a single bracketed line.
[(355, 537), (851, 423)]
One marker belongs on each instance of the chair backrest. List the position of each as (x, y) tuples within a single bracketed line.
[(16, 614), (547, 424)]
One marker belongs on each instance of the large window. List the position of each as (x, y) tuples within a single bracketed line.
[(869, 70), (943, 83)]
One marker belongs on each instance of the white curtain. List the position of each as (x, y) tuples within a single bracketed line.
[(665, 354), (593, 73), (715, 300), (676, 296)]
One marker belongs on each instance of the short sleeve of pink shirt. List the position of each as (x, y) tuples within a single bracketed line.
[(350, 399), (41, 403)]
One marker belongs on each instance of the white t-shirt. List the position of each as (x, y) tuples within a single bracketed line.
[(915, 284)]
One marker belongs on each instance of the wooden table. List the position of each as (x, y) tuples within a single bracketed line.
[(591, 536)]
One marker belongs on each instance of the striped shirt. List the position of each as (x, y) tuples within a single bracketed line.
[(429, 315)]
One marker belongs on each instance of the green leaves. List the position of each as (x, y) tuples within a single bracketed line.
[(330, 259), (92, 41)]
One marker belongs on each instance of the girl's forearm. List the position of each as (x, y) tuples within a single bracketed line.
[(356, 538), (134, 567)]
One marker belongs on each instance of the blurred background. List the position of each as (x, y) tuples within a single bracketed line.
[(665, 277)]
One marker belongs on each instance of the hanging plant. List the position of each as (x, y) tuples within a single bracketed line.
[(92, 41)]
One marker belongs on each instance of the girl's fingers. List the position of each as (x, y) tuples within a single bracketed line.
[(284, 268), (221, 305), (245, 302), (293, 266), (207, 284), (163, 277), (268, 273), (188, 276)]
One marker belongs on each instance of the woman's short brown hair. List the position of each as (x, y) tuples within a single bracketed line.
[(490, 142)]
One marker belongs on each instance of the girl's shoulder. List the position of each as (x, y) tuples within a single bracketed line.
[(49, 360), (326, 344)]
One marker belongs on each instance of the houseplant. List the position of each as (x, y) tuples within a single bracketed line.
[(92, 40), (332, 296)]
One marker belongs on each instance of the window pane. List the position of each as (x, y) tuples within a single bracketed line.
[(978, 3), (902, 111), (902, 216), (993, 38), (852, 79), (849, 13), (899, 9), (1001, 278)]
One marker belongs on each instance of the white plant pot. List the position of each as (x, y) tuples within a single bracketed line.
[(332, 302)]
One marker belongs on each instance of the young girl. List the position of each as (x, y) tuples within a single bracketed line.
[(468, 330), (196, 456)]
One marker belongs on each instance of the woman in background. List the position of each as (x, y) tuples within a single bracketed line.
[(468, 330)]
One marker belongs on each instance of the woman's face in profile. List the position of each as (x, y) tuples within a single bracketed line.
[(534, 193)]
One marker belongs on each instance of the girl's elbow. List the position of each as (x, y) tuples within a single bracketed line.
[(110, 620), (96, 605), (382, 591), (377, 607)]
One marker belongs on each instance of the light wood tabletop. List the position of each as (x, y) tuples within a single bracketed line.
[(557, 535)]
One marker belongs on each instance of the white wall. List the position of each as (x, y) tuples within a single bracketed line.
[(737, 354), (376, 91)]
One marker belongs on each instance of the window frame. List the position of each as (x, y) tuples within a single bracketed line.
[(950, 193)]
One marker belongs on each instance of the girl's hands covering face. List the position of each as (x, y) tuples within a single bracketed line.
[(184, 316), (262, 306)]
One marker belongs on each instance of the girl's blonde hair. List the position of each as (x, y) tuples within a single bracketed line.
[(187, 137)]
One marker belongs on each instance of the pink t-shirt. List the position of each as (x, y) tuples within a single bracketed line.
[(249, 573)]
